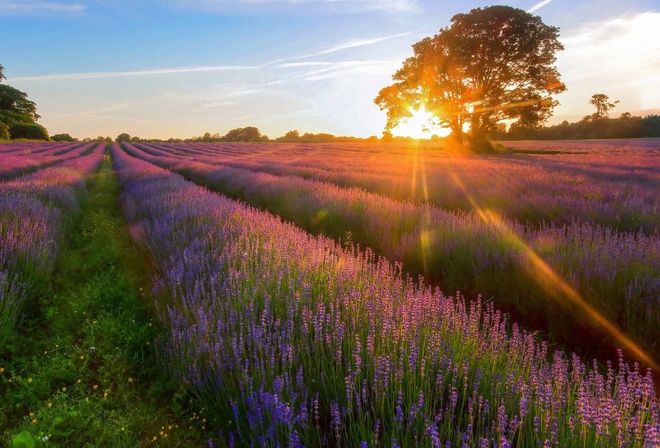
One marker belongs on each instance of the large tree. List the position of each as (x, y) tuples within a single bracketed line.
[(491, 64), (13, 100)]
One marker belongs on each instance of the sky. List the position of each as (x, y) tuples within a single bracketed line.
[(175, 68)]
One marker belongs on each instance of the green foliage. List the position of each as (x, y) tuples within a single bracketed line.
[(293, 135), (63, 138), (82, 373), (4, 131), (246, 134), (28, 131), (626, 126), (651, 126), (491, 64), (124, 137), (14, 100), (603, 106), (11, 118), (23, 440)]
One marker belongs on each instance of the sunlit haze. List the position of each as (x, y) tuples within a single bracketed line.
[(170, 68)]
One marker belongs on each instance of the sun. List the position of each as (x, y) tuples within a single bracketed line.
[(418, 125)]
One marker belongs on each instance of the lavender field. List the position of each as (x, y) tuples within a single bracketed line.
[(32, 210), (366, 295), (587, 273)]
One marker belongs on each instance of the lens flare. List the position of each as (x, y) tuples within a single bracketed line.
[(418, 125), (552, 283)]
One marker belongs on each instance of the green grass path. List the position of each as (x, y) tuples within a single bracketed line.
[(82, 372)]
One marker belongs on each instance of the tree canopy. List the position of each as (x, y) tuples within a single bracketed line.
[(18, 113), (602, 104), (123, 137), (491, 64), (14, 100)]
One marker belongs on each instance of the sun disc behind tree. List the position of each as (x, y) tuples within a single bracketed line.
[(499, 58)]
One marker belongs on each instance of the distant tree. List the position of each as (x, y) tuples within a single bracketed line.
[(30, 131), (651, 126), (2, 74), (135, 139), (292, 135), (491, 64), (124, 137), (63, 138), (246, 134), (14, 100), (602, 104)]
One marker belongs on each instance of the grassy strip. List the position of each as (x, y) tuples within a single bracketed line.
[(82, 374)]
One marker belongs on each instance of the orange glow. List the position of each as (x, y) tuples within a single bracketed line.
[(551, 282)]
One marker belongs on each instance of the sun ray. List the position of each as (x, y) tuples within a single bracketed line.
[(419, 125), (556, 287)]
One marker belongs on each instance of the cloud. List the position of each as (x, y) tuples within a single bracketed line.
[(351, 43), (38, 7), (235, 7), (618, 57), (163, 71), (345, 68), (539, 5)]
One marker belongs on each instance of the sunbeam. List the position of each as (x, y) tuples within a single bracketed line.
[(551, 282)]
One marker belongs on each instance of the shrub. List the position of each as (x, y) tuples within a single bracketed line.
[(4, 131), (63, 138), (28, 131)]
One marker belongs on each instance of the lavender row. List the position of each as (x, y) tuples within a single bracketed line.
[(613, 184), (26, 157), (292, 340), (33, 210), (616, 273)]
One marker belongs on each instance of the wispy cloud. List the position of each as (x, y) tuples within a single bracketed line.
[(539, 5), (28, 7), (288, 6), (618, 57), (351, 43), (162, 71), (344, 68)]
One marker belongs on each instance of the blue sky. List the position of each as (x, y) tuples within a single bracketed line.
[(174, 68)]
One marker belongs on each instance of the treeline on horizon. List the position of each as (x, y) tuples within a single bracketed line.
[(590, 127)]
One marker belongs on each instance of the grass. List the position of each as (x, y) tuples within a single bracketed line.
[(81, 371)]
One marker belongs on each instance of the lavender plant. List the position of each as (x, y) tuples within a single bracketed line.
[(610, 183), (33, 209), (23, 158), (293, 340), (521, 265)]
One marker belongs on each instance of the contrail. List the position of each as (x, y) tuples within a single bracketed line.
[(538, 5), (164, 71)]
